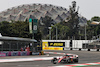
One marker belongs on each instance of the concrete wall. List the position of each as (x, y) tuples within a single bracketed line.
[(76, 43)]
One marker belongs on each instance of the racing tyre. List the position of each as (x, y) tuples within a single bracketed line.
[(76, 60), (69, 60), (54, 61)]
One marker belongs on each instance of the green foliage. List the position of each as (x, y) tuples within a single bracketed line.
[(43, 26), (95, 18), (4, 28), (38, 35), (93, 30), (17, 29), (62, 29)]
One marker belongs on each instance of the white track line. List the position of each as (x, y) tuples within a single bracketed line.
[(26, 59)]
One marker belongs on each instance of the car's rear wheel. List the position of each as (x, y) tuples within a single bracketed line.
[(54, 61), (69, 60), (76, 60)]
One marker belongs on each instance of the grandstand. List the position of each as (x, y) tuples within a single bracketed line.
[(36, 11)]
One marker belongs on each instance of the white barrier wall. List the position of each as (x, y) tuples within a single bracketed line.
[(76, 43)]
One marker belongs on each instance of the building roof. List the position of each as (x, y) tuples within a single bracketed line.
[(2, 38)]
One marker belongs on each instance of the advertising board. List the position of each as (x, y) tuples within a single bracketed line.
[(52, 48), (53, 45), (56, 44), (2, 54)]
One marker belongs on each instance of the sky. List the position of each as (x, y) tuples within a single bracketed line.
[(88, 8)]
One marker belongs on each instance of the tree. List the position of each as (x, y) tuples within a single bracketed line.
[(73, 20), (93, 30), (38, 35), (43, 26), (95, 18), (17, 29), (4, 28), (63, 31)]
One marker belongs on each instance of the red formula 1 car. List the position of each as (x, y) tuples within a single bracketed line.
[(68, 58)]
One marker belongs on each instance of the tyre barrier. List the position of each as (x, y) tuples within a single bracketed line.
[(14, 53), (24, 53), (88, 49), (79, 49), (97, 49), (35, 53), (71, 48), (2, 54)]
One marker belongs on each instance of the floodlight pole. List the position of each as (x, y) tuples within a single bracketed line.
[(56, 33), (85, 36), (32, 36), (49, 33)]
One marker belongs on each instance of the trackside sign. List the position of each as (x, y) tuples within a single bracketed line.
[(53, 48), (53, 45), (56, 44)]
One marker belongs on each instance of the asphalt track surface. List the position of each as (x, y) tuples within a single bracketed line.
[(84, 57)]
